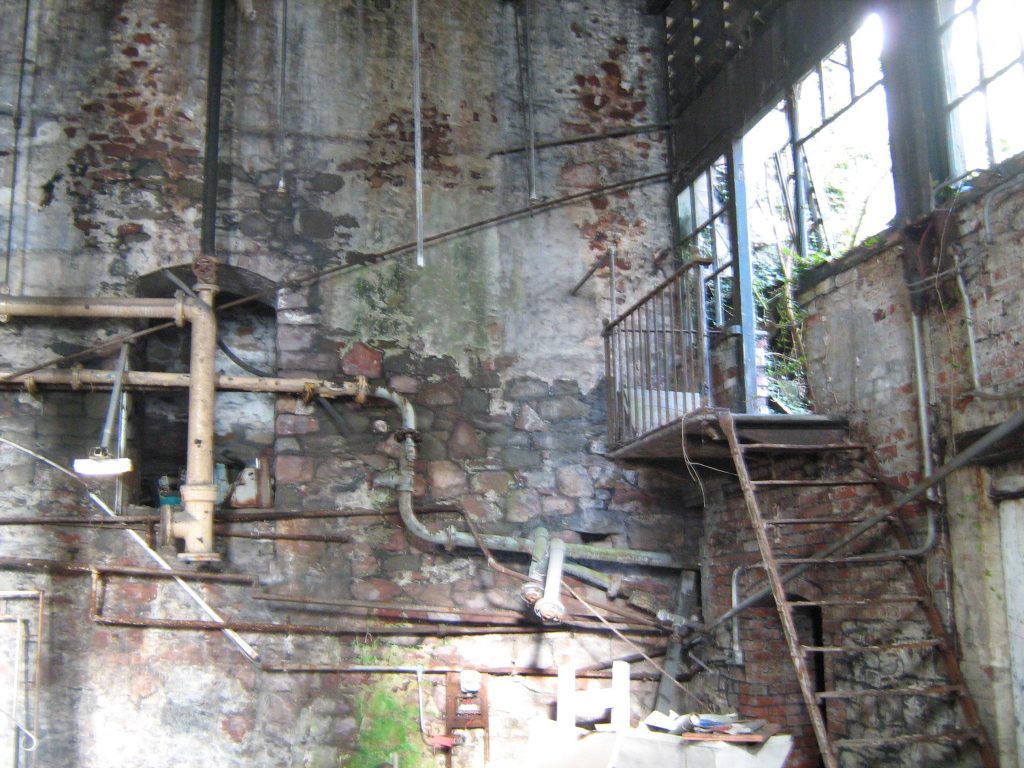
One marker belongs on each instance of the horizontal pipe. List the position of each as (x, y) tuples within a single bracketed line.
[(97, 307), (436, 630), (86, 569), (363, 669), (76, 377)]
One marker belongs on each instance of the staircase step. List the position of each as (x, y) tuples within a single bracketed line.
[(909, 645), (801, 447), (932, 691), (895, 739), (813, 520), (881, 557), (809, 482), (885, 600)]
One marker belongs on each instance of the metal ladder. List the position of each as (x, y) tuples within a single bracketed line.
[(938, 640)]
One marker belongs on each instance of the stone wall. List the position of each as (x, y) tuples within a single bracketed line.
[(504, 367)]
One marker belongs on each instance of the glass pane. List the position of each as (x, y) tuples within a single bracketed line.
[(719, 185), (1000, 24), (684, 207), (723, 240), (1006, 113), (768, 160), (960, 45), (706, 245), (950, 8), (701, 213), (867, 53), (967, 134), (836, 80), (850, 175), (808, 103)]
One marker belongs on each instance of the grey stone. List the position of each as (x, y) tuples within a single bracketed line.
[(315, 224), (562, 409)]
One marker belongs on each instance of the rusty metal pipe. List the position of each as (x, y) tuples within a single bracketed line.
[(104, 379)]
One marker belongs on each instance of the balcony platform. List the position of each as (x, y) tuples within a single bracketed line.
[(705, 441)]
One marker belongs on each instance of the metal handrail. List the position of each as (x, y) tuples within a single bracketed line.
[(656, 356)]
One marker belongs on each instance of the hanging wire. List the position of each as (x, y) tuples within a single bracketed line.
[(417, 122)]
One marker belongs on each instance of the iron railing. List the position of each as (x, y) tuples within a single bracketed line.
[(656, 359)]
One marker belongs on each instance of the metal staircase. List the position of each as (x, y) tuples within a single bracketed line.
[(853, 544)]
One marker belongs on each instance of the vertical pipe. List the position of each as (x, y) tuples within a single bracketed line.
[(921, 376), (214, 78), (707, 393), (526, 70), (633, 400), (199, 494), (645, 349), (799, 177), (549, 607), (417, 122), (114, 405), (629, 399), (744, 278), (674, 343), (122, 449), (282, 74), (16, 149)]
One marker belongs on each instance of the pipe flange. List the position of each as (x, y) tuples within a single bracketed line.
[(362, 389), (401, 435), (32, 387), (309, 391), (179, 309), (531, 592), (205, 269), (76, 377), (549, 610)]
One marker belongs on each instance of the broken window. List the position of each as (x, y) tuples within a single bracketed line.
[(983, 52)]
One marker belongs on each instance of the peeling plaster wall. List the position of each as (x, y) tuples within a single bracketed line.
[(505, 369), (861, 363)]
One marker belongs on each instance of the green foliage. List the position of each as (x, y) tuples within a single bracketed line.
[(387, 711)]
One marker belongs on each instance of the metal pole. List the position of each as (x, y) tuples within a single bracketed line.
[(215, 72), (417, 122)]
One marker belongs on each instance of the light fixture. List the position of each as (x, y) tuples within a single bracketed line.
[(100, 463)]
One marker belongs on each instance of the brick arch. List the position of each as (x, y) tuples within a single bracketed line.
[(231, 279)]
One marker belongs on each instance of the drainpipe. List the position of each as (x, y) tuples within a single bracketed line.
[(549, 607), (196, 525), (199, 493)]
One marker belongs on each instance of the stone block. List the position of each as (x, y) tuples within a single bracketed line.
[(520, 458), (562, 409), (526, 389), (464, 442), (574, 482), (447, 479), (529, 421), (362, 360), (406, 385), (294, 469), (523, 504), (492, 482), (291, 424), (315, 224)]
